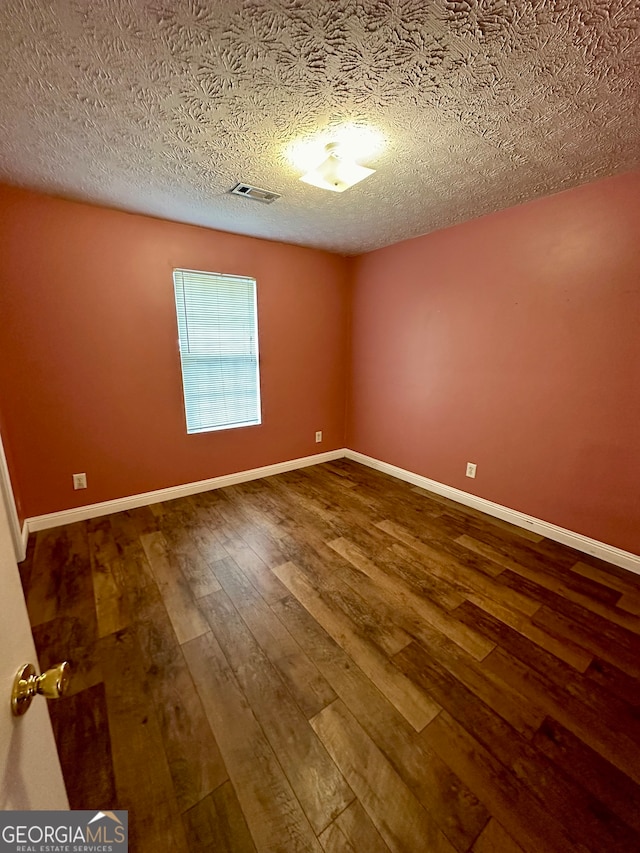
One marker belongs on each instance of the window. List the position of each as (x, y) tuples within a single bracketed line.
[(218, 332)]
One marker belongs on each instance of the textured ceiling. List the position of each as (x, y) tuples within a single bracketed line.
[(161, 106)]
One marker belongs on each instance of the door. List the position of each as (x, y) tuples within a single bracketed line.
[(30, 775)]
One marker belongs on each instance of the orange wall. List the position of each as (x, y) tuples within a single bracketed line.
[(90, 372), (512, 341)]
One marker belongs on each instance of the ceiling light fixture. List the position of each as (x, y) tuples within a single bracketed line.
[(338, 171)]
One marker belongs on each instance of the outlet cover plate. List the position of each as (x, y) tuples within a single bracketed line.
[(79, 481)]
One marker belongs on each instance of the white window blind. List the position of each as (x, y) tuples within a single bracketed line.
[(218, 332)]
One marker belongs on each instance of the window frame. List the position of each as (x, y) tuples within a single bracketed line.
[(255, 347)]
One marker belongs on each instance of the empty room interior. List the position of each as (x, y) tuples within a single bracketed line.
[(319, 418)]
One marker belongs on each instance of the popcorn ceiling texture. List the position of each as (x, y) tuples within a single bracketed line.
[(160, 106)]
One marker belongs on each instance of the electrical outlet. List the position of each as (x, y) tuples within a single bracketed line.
[(79, 481), (471, 469), (319, 436)]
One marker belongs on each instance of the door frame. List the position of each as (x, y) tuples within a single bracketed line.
[(19, 544)]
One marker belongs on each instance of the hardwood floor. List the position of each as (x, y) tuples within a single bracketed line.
[(334, 660)]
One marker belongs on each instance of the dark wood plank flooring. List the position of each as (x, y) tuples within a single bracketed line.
[(333, 660)]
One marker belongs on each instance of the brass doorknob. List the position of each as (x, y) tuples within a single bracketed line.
[(52, 684)]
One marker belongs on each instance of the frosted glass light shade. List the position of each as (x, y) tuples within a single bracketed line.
[(336, 174)]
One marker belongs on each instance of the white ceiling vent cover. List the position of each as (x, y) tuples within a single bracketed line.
[(255, 193)]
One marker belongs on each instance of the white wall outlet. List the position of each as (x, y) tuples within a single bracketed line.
[(319, 436), (79, 481), (471, 469)]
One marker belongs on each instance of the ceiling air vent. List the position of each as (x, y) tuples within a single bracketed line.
[(255, 193)]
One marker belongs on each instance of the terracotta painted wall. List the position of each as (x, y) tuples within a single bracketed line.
[(90, 374), (512, 341)]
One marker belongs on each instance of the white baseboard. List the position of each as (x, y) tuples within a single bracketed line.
[(81, 513), (24, 540), (624, 559)]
